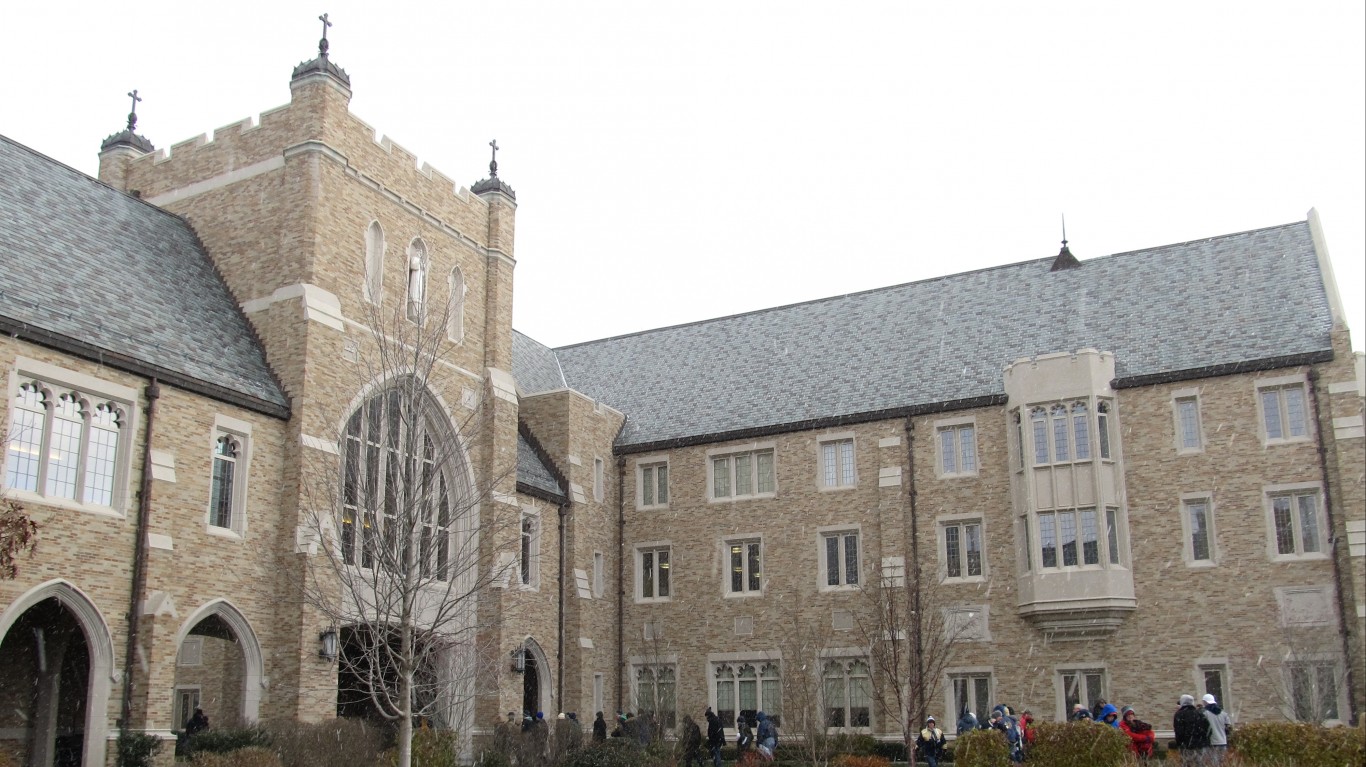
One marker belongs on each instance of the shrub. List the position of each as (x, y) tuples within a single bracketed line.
[(326, 744), (251, 756), (225, 740), (614, 752), (854, 745), (1078, 744), (981, 748), (1270, 744), (137, 749), (855, 760)]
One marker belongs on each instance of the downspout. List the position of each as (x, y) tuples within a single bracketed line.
[(153, 392), (916, 619), (621, 581), (1344, 618), (559, 648)]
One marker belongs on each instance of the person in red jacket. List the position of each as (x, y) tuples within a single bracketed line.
[(1141, 735), (1027, 725)]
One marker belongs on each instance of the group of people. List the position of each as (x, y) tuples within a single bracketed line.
[(531, 742), (1202, 730), (763, 742)]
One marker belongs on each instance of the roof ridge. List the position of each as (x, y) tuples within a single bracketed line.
[(901, 285)]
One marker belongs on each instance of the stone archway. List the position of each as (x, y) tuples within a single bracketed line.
[(537, 689), (56, 663), (230, 668)]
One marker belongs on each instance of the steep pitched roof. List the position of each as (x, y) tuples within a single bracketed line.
[(98, 273), (1183, 310), (534, 472)]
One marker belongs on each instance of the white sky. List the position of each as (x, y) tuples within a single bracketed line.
[(680, 161)]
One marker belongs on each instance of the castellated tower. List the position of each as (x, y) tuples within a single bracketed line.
[(322, 234)]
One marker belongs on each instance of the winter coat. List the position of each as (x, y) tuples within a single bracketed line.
[(768, 734), (716, 734), (1141, 736), (930, 742), (967, 723), (1191, 727), (1219, 724), (1106, 711), (691, 739), (599, 729)]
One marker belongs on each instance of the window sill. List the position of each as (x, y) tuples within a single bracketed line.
[(735, 498), (947, 581), (957, 475), (846, 588), (655, 507), (837, 488), (1266, 442), (1201, 564), (30, 497), (1312, 557), (744, 594), (223, 532), (1190, 451), (653, 600)]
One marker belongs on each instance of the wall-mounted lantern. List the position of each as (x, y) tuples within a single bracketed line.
[(519, 660), (327, 644)]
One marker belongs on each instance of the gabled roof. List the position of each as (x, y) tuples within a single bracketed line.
[(103, 275), (1240, 301), (536, 475)]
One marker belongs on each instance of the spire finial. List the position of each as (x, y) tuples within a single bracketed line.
[(1064, 229), (322, 44), (133, 113), (493, 164)]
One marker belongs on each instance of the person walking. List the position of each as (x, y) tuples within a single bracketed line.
[(599, 729), (767, 736), (690, 741), (744, 737), (930, 744), (1141, 735), (716, 736), (197, 723), (1192, 731), (1220, 727)]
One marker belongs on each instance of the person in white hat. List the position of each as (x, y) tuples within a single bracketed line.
[(930, 744), (1220, 725)]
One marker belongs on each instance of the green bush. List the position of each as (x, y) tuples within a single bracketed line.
[(613, 752), (137, 749), (251, 756), (326, 744), (223, 741), (981, 748), (1078, 744), (855, 745), (1271, 744)]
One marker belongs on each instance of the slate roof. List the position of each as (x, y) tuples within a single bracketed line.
[(532, 472), (1239, 301), (99, 273)]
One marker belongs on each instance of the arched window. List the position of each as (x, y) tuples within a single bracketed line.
[(400, 488), (374, 263), (455, 317), (417, 279), (1081, 432)]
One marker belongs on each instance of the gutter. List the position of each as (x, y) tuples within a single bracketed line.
[(559, 630), (153, 392), (1345, 619), (621, 581), (916, 618)]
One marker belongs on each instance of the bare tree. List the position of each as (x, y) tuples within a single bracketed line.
[(807, 703), (18, 535), (911, 632), (1303, 675), (656, 682), (402, 534)]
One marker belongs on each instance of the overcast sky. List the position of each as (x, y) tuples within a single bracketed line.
[(680, 161)]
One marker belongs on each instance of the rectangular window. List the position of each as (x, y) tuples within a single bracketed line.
[(972, 692), (840, 557), (598, 688), (1200, 539), (742, 475), (837, 463), (652, 573), (1296, 523), (1214, 681), (66, 443), (529, 560), (653, 479), (745, 563), (1188, 435), (1284, 414), (598, 479), (1075, 533), (963, 549), (227, 479), (1048, 540), (958, 450), (599, 575), (1314, 691), (1112, 533), (186, 701), (1083, 686), (1062, 432)]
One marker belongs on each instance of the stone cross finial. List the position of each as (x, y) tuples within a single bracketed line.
[(133, 114), (1064, 229), (322, 44), (493, 164)]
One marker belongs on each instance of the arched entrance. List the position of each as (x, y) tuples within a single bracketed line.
[(536, 688), (55, 660), (219, 668)]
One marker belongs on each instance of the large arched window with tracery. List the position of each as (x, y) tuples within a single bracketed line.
[(403, 474)]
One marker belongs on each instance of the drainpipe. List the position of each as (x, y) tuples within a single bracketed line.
[(153, 392), (916, 619), (1344, 618), (621, 581), (559, 649)]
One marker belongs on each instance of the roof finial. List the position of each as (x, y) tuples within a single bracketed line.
[(1064, 229), (322, 44), (493, 164), (133, 113), (1064, 259)]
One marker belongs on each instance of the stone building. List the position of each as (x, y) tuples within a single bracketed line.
[(1127, 477)]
